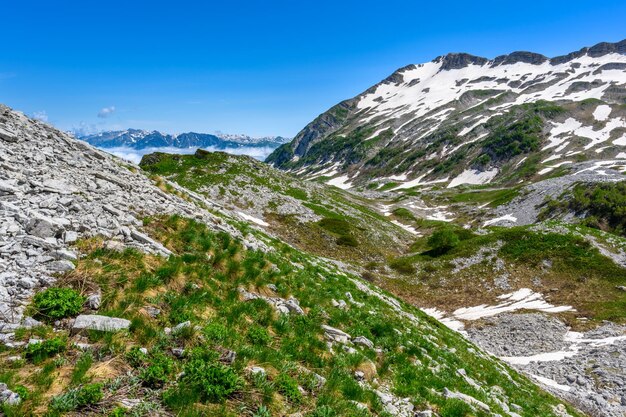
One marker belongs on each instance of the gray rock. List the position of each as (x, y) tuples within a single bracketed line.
[(254, 370), (70, 236), (61, 266), (152, 311), (363, 341), (228, 357), (93, 301), (181, 326), (101, 323), (30, 322), (335, 335), (7, 396)]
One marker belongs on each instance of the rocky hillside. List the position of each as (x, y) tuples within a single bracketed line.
[(463, 119), (151, 300)]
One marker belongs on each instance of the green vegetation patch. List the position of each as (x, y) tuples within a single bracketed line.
[(602, 205), (57, 303)]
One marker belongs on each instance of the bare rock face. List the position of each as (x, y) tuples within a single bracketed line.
[(100, 323), (55, 190)]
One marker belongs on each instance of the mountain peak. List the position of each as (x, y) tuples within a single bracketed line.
[(457, 60)]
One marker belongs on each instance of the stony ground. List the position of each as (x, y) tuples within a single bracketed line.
[(55, 190), (526, 207), (585, 368)]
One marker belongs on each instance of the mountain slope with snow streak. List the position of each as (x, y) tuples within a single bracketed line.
[(462, 119)]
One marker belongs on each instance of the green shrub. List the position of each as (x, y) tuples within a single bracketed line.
[(515, 139), (157, 372), (602, 204), (259, 336), (288, 387), (322, 411), (402, 265), (442, 240), (22, 391), (347, 240), (455, 408), (37, 352), (57, 303), (262, 411), (82, 366), (118, 412), (213, 382), (77, 398), (135, 357), (216, 332)]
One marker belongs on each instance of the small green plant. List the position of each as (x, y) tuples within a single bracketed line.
[(158, 370), (77, 398), (117, 412), (212, 381), (288, 387), (216, 332), (82, 366), (22, 391), (262, 411), (322, 411), (135, 357), (57, 303), (258, 336), (38, 352)]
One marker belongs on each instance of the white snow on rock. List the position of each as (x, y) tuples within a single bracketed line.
[(575, 339), (620, 141), (253, 219), (559, 129), (447, 321), (426, 87), (552, 167), (472, 176), (505, 218), (523, 298), (418, 181), (551, 383), (408, 228), (602, 112), (340, 182), (401, 177), (599, 136)]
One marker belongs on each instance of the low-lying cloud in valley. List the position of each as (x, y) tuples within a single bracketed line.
[(135, 155)]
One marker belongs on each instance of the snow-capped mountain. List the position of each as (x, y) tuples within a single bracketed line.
[(142, 139), (463, 119)]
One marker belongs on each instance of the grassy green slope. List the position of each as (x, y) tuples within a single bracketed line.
[(414, 356), (322, 220)]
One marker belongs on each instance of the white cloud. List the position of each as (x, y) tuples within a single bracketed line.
[(41, 115), (84, 129), (134, 155), (106, 112)]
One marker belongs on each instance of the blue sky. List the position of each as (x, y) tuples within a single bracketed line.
[(262, 68)]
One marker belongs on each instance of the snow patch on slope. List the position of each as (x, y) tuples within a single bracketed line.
[(472, 176)]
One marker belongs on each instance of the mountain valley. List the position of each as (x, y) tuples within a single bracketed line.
[(451, 242)]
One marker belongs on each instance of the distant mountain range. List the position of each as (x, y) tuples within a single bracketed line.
[(142, 139)]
